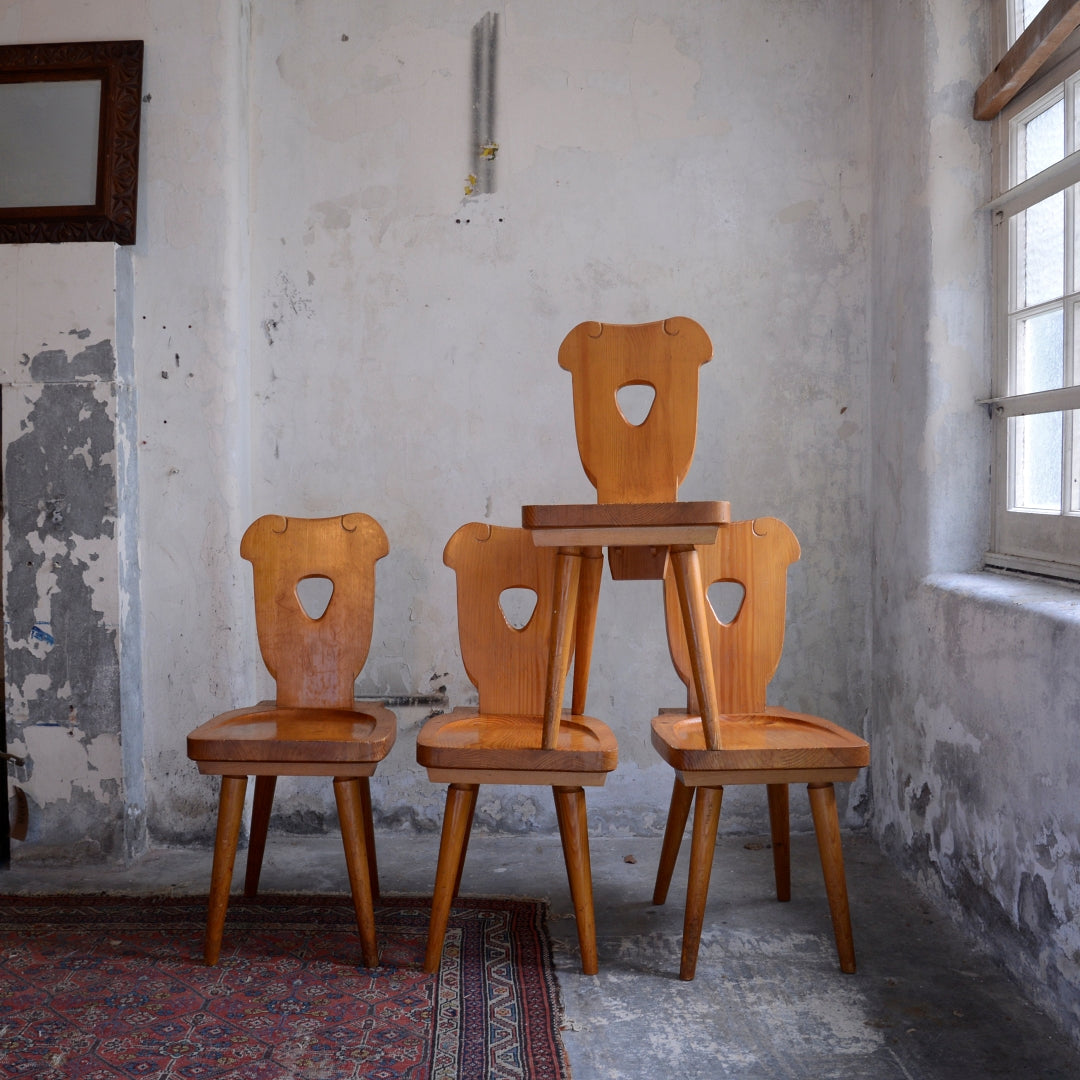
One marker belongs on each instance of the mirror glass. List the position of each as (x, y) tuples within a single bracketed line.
[(49, 142)]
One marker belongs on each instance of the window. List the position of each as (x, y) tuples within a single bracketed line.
[(1020, 14), (1036, 394)]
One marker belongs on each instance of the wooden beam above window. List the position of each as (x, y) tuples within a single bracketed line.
[(1057, 20)]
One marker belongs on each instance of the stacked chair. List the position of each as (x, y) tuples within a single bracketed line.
[(726, 734)]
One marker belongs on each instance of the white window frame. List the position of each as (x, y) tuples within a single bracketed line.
[(1038, 542)]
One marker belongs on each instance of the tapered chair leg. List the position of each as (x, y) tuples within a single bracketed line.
[(464, 849), (260, 822), (827, 827), (230, 812), (592, 570), (780, 827), (574, 830), (460, 803), (369, 837), (681, 798), (351, 818), (561, 643), (702, 845)]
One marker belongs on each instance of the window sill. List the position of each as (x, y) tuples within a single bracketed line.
[(1055, 600), (1034, 569)]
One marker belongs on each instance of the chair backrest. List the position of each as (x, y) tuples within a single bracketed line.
[(746, 651), (624, 461), (508, 666), (315, 662)]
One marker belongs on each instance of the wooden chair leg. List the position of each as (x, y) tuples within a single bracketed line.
[(230, 813), (827, 827), (780, 827), (693, 603), (460, 803), (702, 845), (464, 849), (369, 838), (574, 830), (681, 798), (592, 570), (561, 642), (351, 817), (260, 822)]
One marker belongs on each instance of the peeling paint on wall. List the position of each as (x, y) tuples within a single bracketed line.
[(60, 600)]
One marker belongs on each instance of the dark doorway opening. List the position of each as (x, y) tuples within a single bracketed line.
[(5, 817)]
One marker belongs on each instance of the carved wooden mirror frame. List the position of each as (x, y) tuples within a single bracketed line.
[(117, 65)]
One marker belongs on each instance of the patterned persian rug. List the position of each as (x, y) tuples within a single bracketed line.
[(93, 988)]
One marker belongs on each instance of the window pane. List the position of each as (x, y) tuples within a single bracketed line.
[(1072, 86), (1039, 360), (1023, 12), (1072, 371), (1072, 440), (1031, 9), (1036, 445), (1040, 252), (1041, 141)]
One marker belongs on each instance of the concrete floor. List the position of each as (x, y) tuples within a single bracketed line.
[(769, 1001)]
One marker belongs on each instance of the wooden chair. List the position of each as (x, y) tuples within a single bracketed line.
[(504, 739), (628, 462), (637, 469), (314, 727), (758, 743)]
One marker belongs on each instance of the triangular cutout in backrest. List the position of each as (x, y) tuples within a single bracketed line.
[(635, 402), (314, 594), (726, 599), (517, 606)]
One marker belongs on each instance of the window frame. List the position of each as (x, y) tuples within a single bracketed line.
[(1040, 542)]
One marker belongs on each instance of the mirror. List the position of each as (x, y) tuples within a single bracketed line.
[(69, 141)]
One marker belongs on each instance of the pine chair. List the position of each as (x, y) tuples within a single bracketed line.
[(504, 739), (757, 743), (631, 462), (314, 727), (636, 469)]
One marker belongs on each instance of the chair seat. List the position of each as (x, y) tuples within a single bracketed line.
[(602, 524), (313, 737), (466, 739), (776, 739)]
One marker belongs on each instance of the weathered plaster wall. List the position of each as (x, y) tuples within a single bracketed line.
[(976, 697), (651, 161), (174, 305), (316, 319), (60, 580), (191, 347)]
